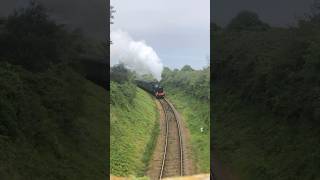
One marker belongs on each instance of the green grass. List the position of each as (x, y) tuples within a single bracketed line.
[(196, 115), (133, 133)]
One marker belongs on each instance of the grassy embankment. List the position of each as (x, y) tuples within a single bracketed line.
[(195, 113), (134, 128)]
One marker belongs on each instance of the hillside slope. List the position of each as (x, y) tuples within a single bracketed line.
[(133, 132)]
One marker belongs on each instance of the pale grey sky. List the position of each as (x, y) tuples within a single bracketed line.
[(177, 30)]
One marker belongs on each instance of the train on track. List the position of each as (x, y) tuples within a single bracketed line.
[(152, 87)]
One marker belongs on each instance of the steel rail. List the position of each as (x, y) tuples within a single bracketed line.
[(167, 132), (166, 142)]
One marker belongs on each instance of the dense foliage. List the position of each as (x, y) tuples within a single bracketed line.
[(29, 38), (247, 21), (266, 87), (195, 83), (52, 120), (122, 87)]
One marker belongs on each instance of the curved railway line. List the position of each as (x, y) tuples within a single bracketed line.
[(172, 160)]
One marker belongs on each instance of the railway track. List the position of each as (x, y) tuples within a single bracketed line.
[(172, 160)]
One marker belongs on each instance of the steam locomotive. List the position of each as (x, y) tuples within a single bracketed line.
[(152, 87)]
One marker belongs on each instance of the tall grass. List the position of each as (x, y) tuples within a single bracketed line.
[(133, 131)]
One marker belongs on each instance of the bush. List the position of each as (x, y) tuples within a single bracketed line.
[(31, 39), (193, 82), (266, 105), (120, 74), (122, 94)]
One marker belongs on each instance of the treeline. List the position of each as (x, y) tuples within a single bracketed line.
[(195, 83), (31, 39), (266, 85), (122, 86), (44, 98)]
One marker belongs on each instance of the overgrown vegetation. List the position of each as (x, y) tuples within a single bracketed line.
[(188, 90), (134, 125), (52, 120), (266, 87)]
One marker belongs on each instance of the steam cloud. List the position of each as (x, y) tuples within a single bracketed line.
[(136, 55)]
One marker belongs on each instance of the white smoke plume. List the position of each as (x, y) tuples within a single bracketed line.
[(136, 55)]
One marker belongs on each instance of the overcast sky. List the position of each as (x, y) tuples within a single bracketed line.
[(274, 12), (177, 30)]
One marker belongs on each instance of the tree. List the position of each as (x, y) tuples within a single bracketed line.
[(33, 40), (215, 27), (186, 68), (247, 21), (148, 77), (119, 73)]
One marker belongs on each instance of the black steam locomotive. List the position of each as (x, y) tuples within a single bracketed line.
[(152, 87)]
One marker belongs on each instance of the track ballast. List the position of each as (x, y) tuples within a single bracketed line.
[(172, 160)]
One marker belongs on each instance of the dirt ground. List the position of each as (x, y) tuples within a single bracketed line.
[(189, 166), (194, 177), (156, 160)]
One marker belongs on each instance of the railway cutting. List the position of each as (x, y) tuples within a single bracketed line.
[(172, 155)]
